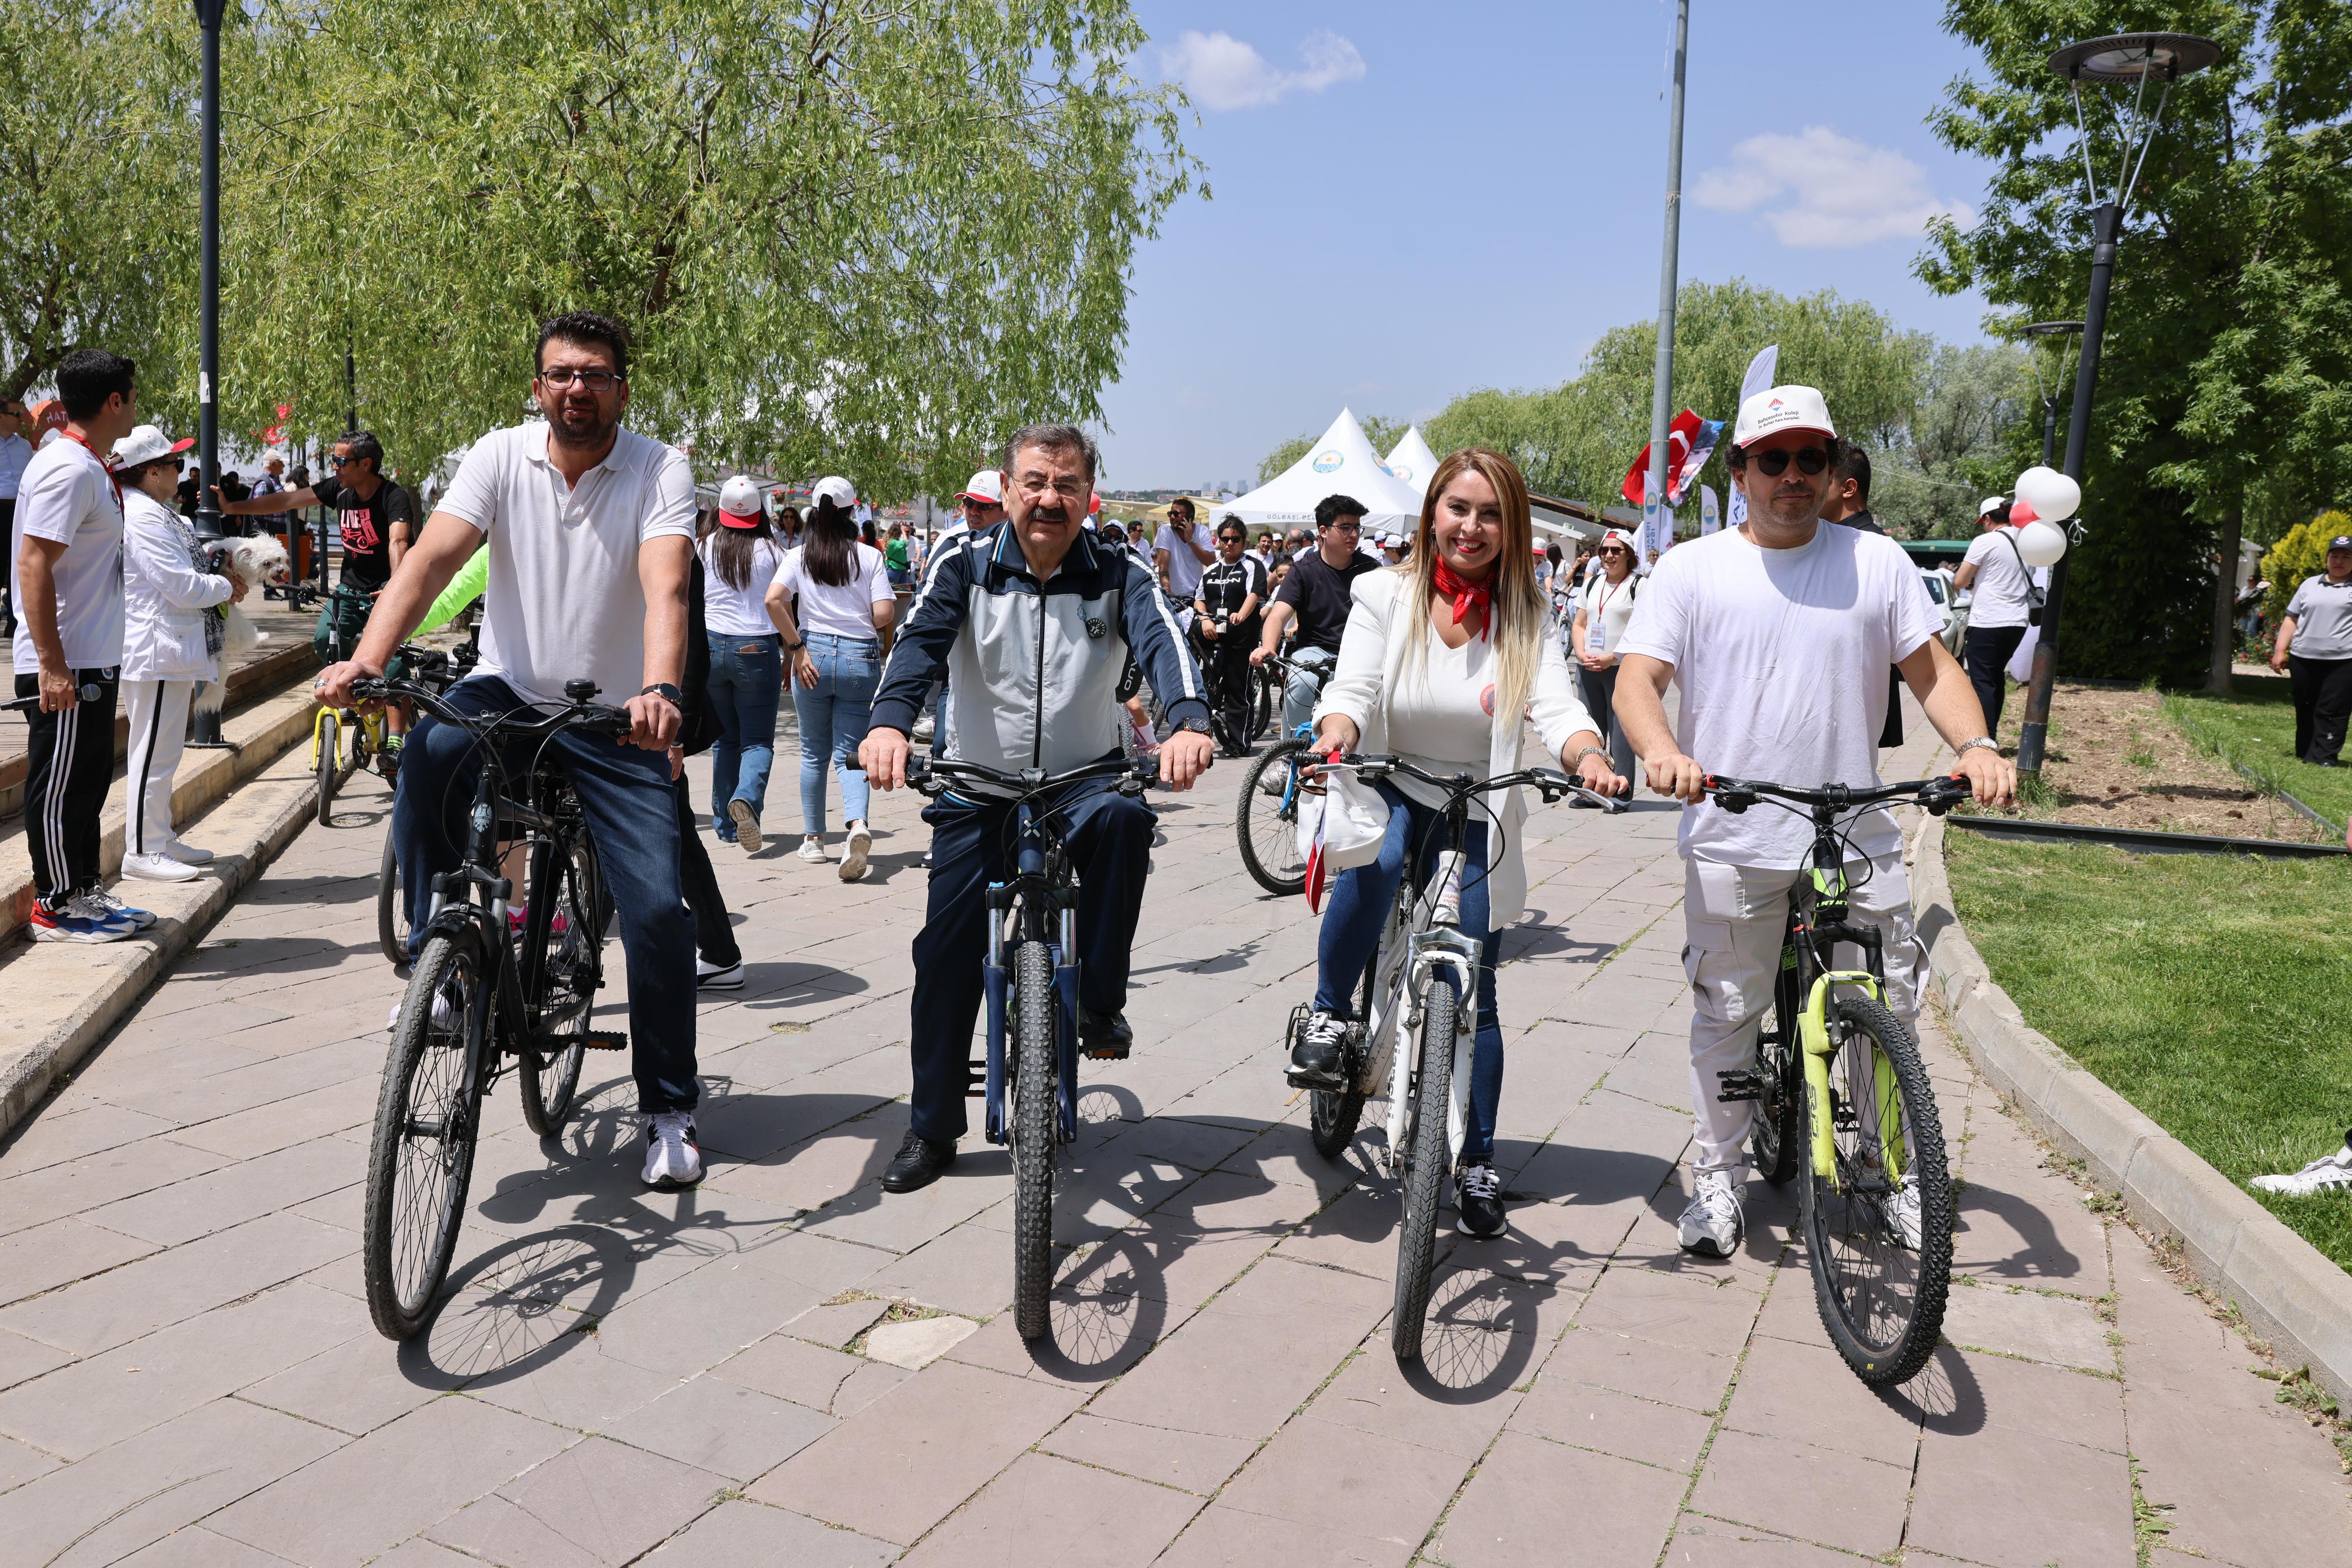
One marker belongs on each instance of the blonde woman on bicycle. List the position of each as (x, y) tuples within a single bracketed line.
[(1442, 656)]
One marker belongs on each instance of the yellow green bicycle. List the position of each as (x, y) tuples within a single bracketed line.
[(344, 740), (1843, 1100)]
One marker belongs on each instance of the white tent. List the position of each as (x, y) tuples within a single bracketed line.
[(1341, 462), (1412, 461)]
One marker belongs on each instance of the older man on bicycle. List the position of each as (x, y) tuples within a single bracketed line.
[(1778, 632), (1031, 621), (590, 531)]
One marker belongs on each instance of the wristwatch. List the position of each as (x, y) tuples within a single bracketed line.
[(1197, 726), (1982, 742), (792, 647), (667, 692)]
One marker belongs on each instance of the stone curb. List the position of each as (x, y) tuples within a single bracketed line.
[(63, 999), (2290, 1292)]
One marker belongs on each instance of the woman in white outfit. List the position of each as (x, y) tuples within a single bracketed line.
[(1602, 607), (171, 641), (1441, 658)]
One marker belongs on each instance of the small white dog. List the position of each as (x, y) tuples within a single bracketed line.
[(256, 563)]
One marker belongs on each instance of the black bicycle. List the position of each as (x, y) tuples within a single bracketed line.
[(480, 997), (439, 671), (1841, 1095), (1030, 977)]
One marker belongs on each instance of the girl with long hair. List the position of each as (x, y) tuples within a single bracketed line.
[(740, 560), (1441, 657)]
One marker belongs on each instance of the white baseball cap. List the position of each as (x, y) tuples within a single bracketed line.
[(987, 485), (1619, 536), (1991, 503), (739, 504), (1782, 408), (840, 492), (146, 444)]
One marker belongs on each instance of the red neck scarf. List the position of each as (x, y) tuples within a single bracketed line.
[(1469, 598)]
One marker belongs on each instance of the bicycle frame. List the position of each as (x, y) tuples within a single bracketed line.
[(1039, 904)]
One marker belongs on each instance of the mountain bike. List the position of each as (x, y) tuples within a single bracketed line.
[(1416, 1019), (1030, 979), (438, 671), (329, 761), (1266, 818), (481, 996), (1842, 1098)]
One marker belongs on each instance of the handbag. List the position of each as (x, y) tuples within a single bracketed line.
[(2036, 596), (1344, 832)]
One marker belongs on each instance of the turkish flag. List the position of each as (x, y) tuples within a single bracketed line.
[(1689, 435)]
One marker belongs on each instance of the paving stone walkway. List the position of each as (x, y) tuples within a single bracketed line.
[(788, 1367)]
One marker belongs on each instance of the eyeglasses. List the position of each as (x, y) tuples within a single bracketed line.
[(1343, 526), (1809, 460), (593, 380)]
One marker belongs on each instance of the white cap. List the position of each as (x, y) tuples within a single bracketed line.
[(987, 485), (1619, 536), (838, 489), (1782, 408), (740, 503), (146, 444), (1991, 503)]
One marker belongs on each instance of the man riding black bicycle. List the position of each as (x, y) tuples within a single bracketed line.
[(1316, 597), (590, 538), (1226, 614), (1032, 622), (1778, 631)]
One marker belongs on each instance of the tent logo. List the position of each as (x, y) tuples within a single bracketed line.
[(1402, 470), (1328, 462)]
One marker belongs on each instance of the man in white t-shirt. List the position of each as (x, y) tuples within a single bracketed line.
[(1995, 573), (1780, 632), (590, 531), (1180, 552)]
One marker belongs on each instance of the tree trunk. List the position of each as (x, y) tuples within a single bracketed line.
[(2225, 605)]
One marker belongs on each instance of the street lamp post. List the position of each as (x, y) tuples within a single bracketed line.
[(205, 727), (2134, 58), (1662, 395)]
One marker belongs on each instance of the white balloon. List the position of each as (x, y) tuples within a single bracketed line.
[(2055, 497), (2042, 543)]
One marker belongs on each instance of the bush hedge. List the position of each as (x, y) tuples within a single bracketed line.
[(2302, 553)]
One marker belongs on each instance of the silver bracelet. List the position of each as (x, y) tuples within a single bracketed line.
[(1588, 752)]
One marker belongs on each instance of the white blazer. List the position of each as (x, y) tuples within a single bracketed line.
[(167, 591), (1368, 665)]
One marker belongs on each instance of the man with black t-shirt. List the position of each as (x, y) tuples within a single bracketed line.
[(1318, 595), (1225, 619)]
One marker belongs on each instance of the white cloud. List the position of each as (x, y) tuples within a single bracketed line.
[(1819, 190), (1221, 71)]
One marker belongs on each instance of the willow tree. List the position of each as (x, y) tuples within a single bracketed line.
[(846, 235)]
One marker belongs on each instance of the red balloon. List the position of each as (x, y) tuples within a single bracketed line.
[(2020, 513)]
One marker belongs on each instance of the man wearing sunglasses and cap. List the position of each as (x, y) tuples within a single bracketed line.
[(1780, 632), (2316, 631)]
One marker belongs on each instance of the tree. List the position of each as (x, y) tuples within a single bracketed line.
[(864, 238), (1960, 444), (2227, 372)]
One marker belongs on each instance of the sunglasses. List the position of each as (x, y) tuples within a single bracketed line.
[(1232, 539), (1809, 460), (1616, 550)]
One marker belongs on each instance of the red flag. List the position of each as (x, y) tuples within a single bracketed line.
[(1679, 435)]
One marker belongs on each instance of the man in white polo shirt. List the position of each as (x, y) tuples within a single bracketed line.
[(1780, 632), (590, 531)]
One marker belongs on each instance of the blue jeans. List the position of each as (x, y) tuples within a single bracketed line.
[(746, 680), (634, 821), (1361, 897), (1299, 692), (834, 719)]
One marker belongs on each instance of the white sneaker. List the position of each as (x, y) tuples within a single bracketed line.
[(158, 869), (1274, 781), (1901, 1216), (444, 1012), (2329, 1173), (1713, 1224), (710, 976), (102, 900), (673, 1160), (747, 824), (187, 854), (922, 732), (814, 850), (853, 858)]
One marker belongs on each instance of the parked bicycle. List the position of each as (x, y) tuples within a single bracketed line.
[(1843, 1098), (481, 998), (1417, 1018), (437, 670), (1030, 980)]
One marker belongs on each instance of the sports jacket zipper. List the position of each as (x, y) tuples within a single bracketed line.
[(1037, 730)]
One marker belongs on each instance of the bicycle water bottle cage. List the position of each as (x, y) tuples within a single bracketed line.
[(580, 689)]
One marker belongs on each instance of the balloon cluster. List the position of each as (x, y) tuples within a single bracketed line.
[(2045, 499)]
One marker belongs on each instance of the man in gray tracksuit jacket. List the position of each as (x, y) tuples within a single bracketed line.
[(1032, 670)]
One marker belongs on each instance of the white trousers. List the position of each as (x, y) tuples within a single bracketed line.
[(159, 730), (1732, 918)]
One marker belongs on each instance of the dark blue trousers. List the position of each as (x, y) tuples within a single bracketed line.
[(1110, 835), (631, 810)]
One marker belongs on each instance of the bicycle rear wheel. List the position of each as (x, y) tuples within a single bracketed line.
[(328, 764), (1268, 824), (1880, 1290), (1424, 1177), (1781, 1079), (1033, 1133), (570, 937), (426, 1121), (390, 930)]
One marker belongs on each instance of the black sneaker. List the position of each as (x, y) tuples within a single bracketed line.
[(1320, 1052), (1479, 1201), (1104, 1036), (921, 1162)]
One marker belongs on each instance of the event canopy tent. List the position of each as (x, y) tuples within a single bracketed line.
[(1341, 462), (1412, 462)]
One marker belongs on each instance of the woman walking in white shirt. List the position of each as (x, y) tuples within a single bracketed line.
[(171, 641), (739, 563), (845, 606), (1441, 658), (1602, 608)]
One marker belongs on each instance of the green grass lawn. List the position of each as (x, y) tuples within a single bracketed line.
[(2214, 992), (2254, 728)]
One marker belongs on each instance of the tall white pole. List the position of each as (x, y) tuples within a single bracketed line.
[(1662, 397)]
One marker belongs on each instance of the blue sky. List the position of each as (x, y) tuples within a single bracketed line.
[(1412, 201)]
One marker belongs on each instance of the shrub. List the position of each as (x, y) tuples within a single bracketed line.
[(2302, 553)]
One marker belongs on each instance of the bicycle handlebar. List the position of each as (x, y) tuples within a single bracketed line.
[(1549, 782), (585, 714), (1938, 796), (932, 776)]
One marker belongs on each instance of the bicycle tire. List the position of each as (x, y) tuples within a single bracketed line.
[(391, 930), (1033, 1133), (1273, 864), (1334, 1114), (329, 764), (1774, 1144), (570, 965), (1885, 1333), (405, 1247), (1262, 678), (1424, 1178)]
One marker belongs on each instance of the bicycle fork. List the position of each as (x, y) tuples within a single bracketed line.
[(996, 989), (1427, 953), (1814, 1031)]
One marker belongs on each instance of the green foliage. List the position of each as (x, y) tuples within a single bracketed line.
[(1384, 434), (2302, 553)]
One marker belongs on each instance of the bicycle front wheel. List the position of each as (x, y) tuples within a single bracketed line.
[(1266, 688), (390, 930), (1878, 1232), (1033, 1137), (571, 938), (327, 763), (1424, 1179), (1267, 819), (426, 1121)]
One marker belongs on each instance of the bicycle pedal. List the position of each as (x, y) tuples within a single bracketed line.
[(1740, 1085), (604, 1039), (975, 1085), (1297, 1080)]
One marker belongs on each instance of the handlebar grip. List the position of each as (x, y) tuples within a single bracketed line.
[(371, 688), (605, 721)]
